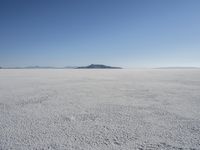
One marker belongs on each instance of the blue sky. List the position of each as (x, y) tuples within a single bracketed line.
[(127, 33)]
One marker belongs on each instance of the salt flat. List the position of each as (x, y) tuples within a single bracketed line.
[(100, 109)]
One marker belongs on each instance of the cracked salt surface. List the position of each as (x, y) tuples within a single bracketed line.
[(100, 109)]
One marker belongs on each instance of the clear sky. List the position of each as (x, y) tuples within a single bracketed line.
[(127, 33)]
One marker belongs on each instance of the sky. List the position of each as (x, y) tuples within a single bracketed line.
[(126, 33)]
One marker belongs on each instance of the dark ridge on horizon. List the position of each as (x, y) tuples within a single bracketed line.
[(92, 66), (98, 66)]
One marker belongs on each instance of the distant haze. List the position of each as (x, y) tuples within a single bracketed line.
[(125, 33)]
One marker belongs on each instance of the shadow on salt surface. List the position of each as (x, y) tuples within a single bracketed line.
[(37, 98)]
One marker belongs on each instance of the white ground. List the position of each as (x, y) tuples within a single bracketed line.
[(100, 109)]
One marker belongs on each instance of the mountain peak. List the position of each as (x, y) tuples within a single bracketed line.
[(98, 66)]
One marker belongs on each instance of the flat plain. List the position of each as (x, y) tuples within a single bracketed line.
[(108, 109)]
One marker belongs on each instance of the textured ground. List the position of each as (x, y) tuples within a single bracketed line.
[(100, 109)]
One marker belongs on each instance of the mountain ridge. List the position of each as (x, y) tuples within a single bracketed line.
[(98, 66)]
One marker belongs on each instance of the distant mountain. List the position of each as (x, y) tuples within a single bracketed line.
[(92, 66), (40, 67), (32, 67), (98, 66), (70, 67)]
